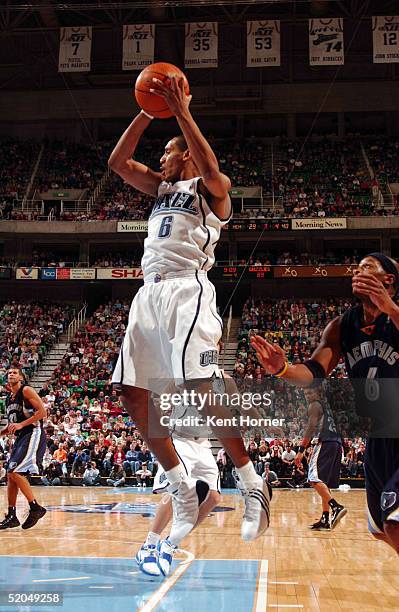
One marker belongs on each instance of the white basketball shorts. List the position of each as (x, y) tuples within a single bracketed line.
[(172, 334), (197, 458)]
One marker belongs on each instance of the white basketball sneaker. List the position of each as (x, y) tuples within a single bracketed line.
[(165, 556), (147, 560), (186, 499), (256, 508)]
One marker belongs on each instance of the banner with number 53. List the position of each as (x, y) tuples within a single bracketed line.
[(201, 48), (326, 42), (263, 43), (75, 49)]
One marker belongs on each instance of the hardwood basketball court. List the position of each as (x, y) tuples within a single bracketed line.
[(84, 548)]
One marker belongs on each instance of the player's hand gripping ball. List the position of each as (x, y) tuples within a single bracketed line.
[(150, 102)]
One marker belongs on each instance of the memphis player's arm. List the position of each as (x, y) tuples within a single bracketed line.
[(215, 185), (133, 172), (324, 359), (40, 412)]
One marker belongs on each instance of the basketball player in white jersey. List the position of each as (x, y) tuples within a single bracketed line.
[(173, 327)]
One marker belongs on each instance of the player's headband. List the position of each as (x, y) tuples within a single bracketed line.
[(388, 266)]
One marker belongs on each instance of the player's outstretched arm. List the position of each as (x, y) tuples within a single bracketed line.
[(216, 183), (274, 360), (136, 174)]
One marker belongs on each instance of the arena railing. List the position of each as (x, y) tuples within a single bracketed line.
[(76, 323)]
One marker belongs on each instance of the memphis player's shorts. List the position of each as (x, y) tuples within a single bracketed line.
[(172, 334), (381, 469), (28, 452), (198, 460), (325, 463)]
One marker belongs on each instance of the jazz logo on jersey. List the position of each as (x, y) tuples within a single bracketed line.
[(208, 357), (177, 202)]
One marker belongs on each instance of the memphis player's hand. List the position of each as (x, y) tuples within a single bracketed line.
[(271, 356), (174, 94), (13, 427), (367, 284)]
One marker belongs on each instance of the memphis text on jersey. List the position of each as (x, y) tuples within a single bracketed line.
[(373, 348)]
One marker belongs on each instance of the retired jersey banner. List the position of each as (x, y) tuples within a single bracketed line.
[(138, 46), (263, 43), (201, 48), (326, 42), (75, 49), (385, 40)]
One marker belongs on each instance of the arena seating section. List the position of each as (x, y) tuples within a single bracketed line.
[(323, 178)]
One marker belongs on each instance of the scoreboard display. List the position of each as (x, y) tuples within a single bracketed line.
[(237, 272), (259, 225)]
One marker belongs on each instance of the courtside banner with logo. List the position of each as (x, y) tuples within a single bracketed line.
[(201, 46), (138, 46), (119, 274), (5, 273), (313, 271), (318, 224), (326, 42), (385, 40), (263, 43), (75, 49), (63, 273), (27, 274), (48, 273), (132, 226), (82, 273)]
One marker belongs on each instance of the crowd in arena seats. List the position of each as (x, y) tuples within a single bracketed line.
[(87, 428), (325, 178), (17, 159), (71, 166), (384, 159), (313, 179), (27, 332)]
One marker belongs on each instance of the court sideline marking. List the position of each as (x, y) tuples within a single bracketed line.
[(261, 597), (156, 597)]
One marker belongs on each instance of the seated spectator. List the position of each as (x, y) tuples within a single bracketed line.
[(269, 476), (91, 475), (3, 474), (52, 475), (117, 477), (143, 476)]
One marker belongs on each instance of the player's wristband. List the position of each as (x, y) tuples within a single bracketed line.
[(282, 371), (147, 114)]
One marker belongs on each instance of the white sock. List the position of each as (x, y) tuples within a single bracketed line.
[(176, 474), (247, 475), (152, 539)]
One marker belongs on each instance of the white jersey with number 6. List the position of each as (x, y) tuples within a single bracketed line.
[(182, 230)]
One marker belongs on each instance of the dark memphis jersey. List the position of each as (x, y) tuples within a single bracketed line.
[(371, 355), (327, 429), (18, 409), (370, 351)]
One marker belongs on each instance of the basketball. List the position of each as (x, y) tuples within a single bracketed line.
[(150, 102)]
